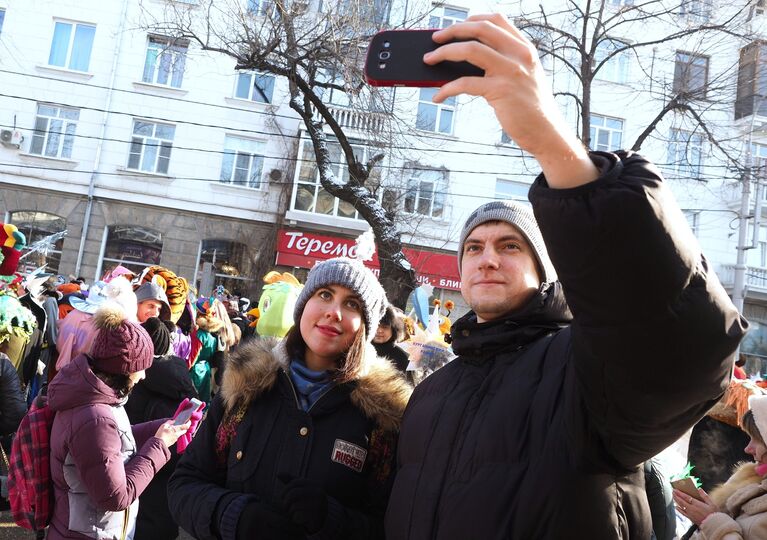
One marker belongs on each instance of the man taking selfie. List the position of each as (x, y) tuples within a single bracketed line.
[(538, 428)]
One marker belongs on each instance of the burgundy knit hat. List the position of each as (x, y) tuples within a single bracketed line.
[(121, 347)]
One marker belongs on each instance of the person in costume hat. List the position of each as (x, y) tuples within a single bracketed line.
[(738, 508), (100, 463), (299, 443)]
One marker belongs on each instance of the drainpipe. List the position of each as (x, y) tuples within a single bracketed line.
[(100, 140)]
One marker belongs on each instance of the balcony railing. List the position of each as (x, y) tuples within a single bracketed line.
[(364, 121), (756, 277)]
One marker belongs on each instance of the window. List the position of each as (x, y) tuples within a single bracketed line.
[(505, 139), (228, 264), (164, 62), (260, 7), (310, 196), (690, 74), (437, 117), (759, 7), (2, 18), (243, 162), (509, 189), (619, 3), (150, 146), (605, 133), (133, 247), (759, 166), (255, 86), (693, 219), (617, 67), (37, 226), (54, 134), (685, 153), (443, 16), (697, 11), (71, 46), (426, 192), (752, 80)]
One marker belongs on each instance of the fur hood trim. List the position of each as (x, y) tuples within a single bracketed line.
[(210, 324), (744, 475), (381, 392)]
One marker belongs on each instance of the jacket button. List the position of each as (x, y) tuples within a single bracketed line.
[(304, 431), (465, 333), (238, 455)]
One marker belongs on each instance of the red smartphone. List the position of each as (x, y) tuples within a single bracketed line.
[(395, 58)]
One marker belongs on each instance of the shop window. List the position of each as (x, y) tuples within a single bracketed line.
[(133, 247), (38, 226), (227, 263)]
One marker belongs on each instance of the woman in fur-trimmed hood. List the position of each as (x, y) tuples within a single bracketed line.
[(738, 508), (300, 441)]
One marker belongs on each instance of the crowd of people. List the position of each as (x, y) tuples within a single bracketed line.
[(539, 428)]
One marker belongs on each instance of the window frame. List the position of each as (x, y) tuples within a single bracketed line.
[(509, 194), (252, 94), (307, 166), (220, 276), (263, 9), (616, 69), (236, 153), (752, 80), (595, 130), (143, 143), (686, 73), (68, 55), (29, 228), (699, 11), (63, 136), (448, 106), (680, 145), (176, 51), (412, 189), (438, 21), (130, 264)]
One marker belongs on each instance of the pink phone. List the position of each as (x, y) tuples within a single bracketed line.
[(395, 58), (186, 413)]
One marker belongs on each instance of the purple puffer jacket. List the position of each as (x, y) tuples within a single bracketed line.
[(100, 464)]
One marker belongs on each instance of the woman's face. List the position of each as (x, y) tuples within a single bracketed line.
[(757, 450), (331, 319), (137, 376), (383, 334)]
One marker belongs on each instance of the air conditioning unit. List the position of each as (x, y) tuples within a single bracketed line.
[(11, 137)]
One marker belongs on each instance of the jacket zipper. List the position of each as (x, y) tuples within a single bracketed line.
[(295, 394), (125, 524)]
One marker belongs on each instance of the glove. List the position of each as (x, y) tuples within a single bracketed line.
[(184, 440), (306, 503), (259, 521)]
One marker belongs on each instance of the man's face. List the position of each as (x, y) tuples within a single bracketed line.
[(499, 273), (147, 309)]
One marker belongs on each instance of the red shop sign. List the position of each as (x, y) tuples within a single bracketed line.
[(304, 249)]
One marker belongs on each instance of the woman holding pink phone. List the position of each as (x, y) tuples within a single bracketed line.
[(738, 508), (300, 441), (100, 463)]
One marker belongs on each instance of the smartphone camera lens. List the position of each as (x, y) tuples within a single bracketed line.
[(386, 44), (384, 55)]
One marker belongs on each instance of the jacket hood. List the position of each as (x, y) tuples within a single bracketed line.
[(381, 392), (76, 385), (168, 377)]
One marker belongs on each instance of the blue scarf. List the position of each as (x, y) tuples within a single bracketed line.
[(310, 384)]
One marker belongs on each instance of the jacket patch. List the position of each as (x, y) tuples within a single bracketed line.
[(349, 454)]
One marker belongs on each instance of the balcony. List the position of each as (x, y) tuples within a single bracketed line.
[(756, 280), (365, 122)]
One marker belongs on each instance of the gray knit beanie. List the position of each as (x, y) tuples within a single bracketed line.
[(521, 217), (350, 273)]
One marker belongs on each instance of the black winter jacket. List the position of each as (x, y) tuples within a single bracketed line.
[(538, 431), (345, 442), (13, 407), (167, 383)]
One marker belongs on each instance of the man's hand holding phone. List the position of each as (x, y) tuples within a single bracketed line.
[(513, 83)]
